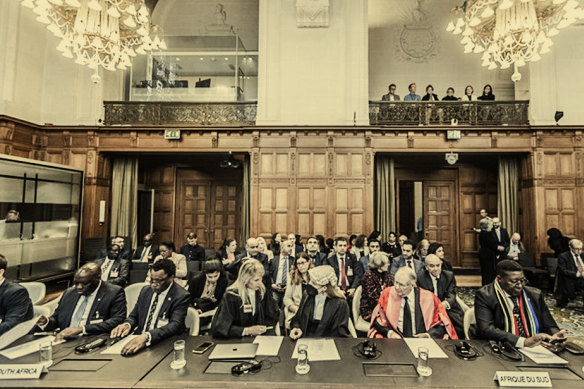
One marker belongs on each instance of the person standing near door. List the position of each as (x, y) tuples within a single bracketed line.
[(487, 251)]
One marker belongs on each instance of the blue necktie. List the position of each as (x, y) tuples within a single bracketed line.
[(285, 271), (76, 320)]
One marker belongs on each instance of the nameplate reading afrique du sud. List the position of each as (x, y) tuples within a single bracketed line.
[(520, 379), (22, 372)]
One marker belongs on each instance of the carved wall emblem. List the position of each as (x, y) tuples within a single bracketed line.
[(417, 40), (312, 13)]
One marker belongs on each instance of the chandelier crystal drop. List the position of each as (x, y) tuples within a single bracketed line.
[(106, 33), (512, 32)]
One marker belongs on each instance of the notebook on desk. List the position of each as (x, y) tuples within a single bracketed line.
[(234, 351)]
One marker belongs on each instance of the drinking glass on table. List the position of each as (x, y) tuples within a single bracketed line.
[(423, 367), (46, 353), (179, 360), (302, 366)]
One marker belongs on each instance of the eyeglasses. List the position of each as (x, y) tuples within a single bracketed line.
[(301, 263), (158, 281), (253, 247)]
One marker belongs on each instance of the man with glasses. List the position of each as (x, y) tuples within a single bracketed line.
[(570, 273), (160, 311), (508, 311), (147, 251)]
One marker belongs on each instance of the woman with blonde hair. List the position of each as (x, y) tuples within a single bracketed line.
[(323, 310), (246, 308), (263, 247), (373, 282), (299, 280)]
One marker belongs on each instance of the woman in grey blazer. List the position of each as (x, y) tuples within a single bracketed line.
[(298, 281)]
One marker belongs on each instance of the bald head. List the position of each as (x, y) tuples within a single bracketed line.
[(87, 278), (252, 246), (433, 265)]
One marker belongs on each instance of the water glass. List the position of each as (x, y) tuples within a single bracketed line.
[(179, 360), (423, 368), (46, 353), (302, 366)]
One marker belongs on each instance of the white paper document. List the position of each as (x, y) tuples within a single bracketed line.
[(116, 349), (208, 313), (17, 332), (434, 351), (268, 345), (28, 347), (542, 355), (318, 349)]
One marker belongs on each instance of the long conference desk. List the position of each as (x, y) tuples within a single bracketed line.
[(150, 368)]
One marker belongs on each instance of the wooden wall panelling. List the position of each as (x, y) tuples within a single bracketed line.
[(163, 181)]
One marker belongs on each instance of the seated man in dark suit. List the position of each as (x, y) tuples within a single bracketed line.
[(443, 284), (120, 242), (252, 250), (312, 248), (515, 248), (374, 246), (570, 273), (406, 259), (147, 251), (406, 311), (347, 268), (192, 250), (89, 307), (508, 311), (113, 268), (160, 311), (15, 304), (279, 272)]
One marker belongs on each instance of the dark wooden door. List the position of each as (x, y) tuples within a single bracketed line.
[(209, 207), (440, 216)]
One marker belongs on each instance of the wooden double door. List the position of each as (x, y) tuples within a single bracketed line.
[(439, 207), (209, 206)]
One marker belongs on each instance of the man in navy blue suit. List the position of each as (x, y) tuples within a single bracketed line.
[(160, 311), (502, 236), (91, 306), (15, 304), (347, 268)]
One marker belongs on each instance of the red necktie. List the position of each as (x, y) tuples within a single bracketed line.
[(410, 263), (343, 274)]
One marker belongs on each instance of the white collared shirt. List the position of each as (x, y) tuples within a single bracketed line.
[(340, 263), (521, 341), (435, 284), (88, 306), (145, 252), (110, 264), (1, 282), (161, 298), (251, 294), (319, 301), (412, 304), (514, 250), (281, 269)]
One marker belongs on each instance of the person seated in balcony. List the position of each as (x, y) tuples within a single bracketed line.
[(412, 96), (487, 93), (391, 96), (430, 95), (468, 94), (450, 95)]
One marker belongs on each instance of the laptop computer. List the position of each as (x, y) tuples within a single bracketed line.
[(234, 351)]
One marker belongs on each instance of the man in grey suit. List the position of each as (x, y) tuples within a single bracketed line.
[(391, 96), (406, 259), (89, 307)]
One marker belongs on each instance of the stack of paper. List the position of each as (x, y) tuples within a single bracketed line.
[(434, 351), (542, 355), (318, 349), (268, 345)]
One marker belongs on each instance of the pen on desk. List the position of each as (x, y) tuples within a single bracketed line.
[(269, 328)]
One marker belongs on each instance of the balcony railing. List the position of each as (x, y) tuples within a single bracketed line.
[(444, 112), (230, 113)]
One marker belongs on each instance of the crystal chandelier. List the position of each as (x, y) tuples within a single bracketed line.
[(512, 32), (97, 33)]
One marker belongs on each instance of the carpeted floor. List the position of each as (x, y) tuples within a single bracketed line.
[(570, 318)]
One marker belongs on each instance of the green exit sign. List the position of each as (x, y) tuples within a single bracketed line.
[(171, 134)]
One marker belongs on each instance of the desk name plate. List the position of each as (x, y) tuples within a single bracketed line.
[(518, 379), (22, 372)]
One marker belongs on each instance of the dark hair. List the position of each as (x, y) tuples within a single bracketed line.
[(3, 262), (212, 265), (164, 264), (312, 237), (471, 89), (191, 235), (330, 242), (169, 245), (353, 236), (410, 86), (508, 265), (227, 242), (410, 243), (450, 88), (490, 90), (373, 235), (340, 239), (429, 86), (372, 241), (298, 239), (390, 85), (434, 246), (360, 242), (392, 233)]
